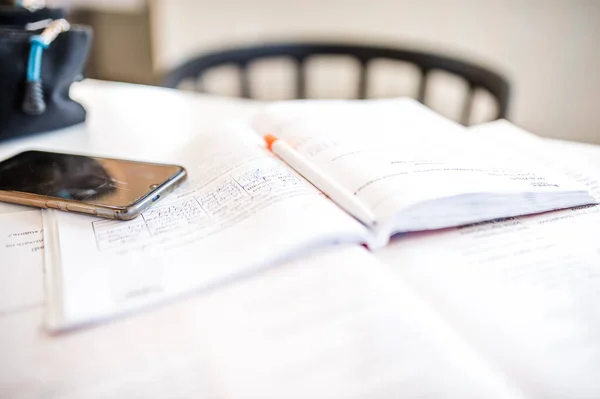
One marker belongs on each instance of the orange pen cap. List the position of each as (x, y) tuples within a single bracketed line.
[(270, 139)]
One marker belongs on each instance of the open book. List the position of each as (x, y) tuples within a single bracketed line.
[(244, 209), (413, 168)]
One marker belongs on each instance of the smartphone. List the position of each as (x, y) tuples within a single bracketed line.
[(109, 188)]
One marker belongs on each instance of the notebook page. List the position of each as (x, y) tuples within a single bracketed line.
[(357, 332), (578, 161), (395, 155), (330, 324), (524, 291), (242, 209), (21, 261)]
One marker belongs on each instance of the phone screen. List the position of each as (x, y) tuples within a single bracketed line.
[(101, 181)]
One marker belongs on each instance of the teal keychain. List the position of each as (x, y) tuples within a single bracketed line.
[(33, 102)]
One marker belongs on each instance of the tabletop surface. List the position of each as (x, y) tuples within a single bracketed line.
[(166, 352)]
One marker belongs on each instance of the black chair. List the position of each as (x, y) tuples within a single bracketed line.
[(475, 76)]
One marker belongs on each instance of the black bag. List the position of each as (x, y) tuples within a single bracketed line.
[(62, 63), (18, 17)]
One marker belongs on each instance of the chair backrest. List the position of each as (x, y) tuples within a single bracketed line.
[(475, 76)]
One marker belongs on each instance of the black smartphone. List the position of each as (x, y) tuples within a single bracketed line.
[(105, 187)]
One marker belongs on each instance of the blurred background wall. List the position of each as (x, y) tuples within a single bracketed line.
[(549, 49)]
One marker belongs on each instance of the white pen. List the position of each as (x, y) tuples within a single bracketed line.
[(335, 191)]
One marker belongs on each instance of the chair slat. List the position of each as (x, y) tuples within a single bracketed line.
[(422, 86), (465, 116), (244, 80), (363, 80), (300, 78), (199, 84)]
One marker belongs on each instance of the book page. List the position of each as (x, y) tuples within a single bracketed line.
[(578, 161), (241, 210), (334, 324), (357, 332), (398, 156), (21, 261), (524, 291)]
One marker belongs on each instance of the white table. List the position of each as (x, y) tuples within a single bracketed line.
[(160, 353), (136, 121)]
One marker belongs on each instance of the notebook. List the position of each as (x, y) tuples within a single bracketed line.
[(244, 209)]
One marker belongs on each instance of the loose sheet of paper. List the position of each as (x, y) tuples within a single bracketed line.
[(6, 207), (242, 209), (524, 291), (21, 261), (333, 324), (398, 156)]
